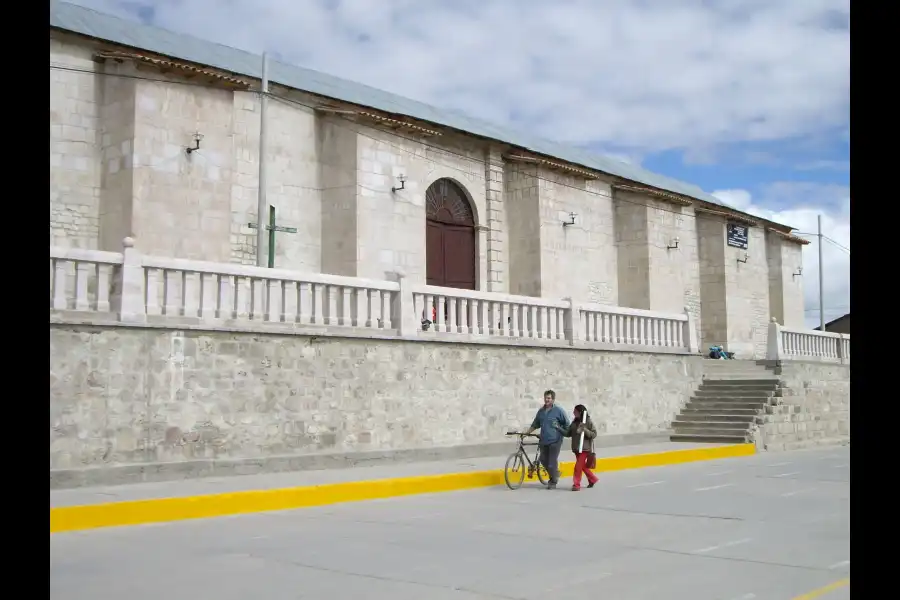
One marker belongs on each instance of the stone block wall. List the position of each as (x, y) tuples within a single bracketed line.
[(130, 396), (580, 260), (383, 157), (814, 407), (633, 268), (785, 285), (747, 292), (181, 203), (522, 199), (74, 141), (339, 161), (713, 306)]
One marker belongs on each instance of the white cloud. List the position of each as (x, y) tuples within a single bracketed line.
[(644, 76), (808, 202)]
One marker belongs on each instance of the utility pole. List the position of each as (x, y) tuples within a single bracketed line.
[(821, 281), (261, 204)]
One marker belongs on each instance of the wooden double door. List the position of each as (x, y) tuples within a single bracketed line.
[(449, 237)]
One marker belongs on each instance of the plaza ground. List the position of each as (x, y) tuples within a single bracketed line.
[(769, 526)]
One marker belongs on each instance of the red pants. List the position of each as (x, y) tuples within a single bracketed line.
[(580, 460)]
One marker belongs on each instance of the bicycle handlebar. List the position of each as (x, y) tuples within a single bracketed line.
[(520, 433)]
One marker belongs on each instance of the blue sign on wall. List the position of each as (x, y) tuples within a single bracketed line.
[(737, 235)]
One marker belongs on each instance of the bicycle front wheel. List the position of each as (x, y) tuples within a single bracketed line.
[(514, 472), (543, 474)]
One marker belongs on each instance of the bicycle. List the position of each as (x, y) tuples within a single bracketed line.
[(515, 471)]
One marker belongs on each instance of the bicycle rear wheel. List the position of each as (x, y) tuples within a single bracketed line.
[(514, 472)]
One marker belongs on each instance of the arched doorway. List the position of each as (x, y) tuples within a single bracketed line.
[(450, 236)]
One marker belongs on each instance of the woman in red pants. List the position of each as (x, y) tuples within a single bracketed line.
[(584, 458)]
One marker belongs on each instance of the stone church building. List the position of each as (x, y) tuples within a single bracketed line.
[(376, 184)]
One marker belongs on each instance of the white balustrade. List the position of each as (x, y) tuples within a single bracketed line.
[(456, 311), (618, 326), (81, 280), (137, 288), (217, 291), (788, 343)]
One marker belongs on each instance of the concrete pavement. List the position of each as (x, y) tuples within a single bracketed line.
[(769, 526)]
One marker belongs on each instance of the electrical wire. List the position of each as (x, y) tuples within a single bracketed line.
[(839, 245)]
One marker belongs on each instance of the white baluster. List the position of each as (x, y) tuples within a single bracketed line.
[(453, 325), (240, 297), (344, 312), (330, 304), (151, 281), (59, 285), (440, 319), (516, 329), (386, 310), (102, 303), (224, 296), (358, 304), (305, 303), (170, 293), (473, 316), (464, 316), (288, 301), (208, 295), (81, 286)]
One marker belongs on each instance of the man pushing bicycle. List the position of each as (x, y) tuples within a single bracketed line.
[(550, 418)]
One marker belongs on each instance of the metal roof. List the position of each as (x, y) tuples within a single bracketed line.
[(106, 27)]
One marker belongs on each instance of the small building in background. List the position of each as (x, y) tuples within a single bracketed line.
[(839, 325)]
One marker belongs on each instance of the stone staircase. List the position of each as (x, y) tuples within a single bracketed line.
[(727, 405)]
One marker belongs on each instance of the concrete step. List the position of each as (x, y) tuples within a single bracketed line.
[(734, 393), (726, 407), (683, 424), (708, 439), (719, 417), (754, 382), (689, 412)]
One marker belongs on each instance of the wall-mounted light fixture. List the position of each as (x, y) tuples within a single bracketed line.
[(746, 258), (570, 221), (402, 180), (197, 137), (673, 245), (799, 272)]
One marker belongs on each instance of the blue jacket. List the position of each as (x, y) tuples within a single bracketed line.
[(547, 421)]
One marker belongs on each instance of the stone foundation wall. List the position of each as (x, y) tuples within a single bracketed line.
[(814, 408), (143, 399)]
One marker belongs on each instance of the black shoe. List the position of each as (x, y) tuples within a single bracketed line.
[(590, 485), (551, 486)]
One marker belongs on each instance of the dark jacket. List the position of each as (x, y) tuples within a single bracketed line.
[(590, 432)]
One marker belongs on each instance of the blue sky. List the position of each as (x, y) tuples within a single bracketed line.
[(748, 99)]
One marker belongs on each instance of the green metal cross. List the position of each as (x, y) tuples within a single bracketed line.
[(272, 228)]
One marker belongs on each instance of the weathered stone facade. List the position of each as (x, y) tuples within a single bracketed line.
[(118, 168), (126, 395), (814, 407)]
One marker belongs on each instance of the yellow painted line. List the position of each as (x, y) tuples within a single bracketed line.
[(824, 590), (159, 510)]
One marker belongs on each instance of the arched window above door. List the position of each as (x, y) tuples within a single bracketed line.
[(446, 202)]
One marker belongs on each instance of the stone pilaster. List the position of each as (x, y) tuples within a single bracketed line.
[(496, 222)]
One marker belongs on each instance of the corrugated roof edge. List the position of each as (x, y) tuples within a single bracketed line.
[(91, 23)]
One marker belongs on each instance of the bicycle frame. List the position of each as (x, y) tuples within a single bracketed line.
[(532, 464)]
